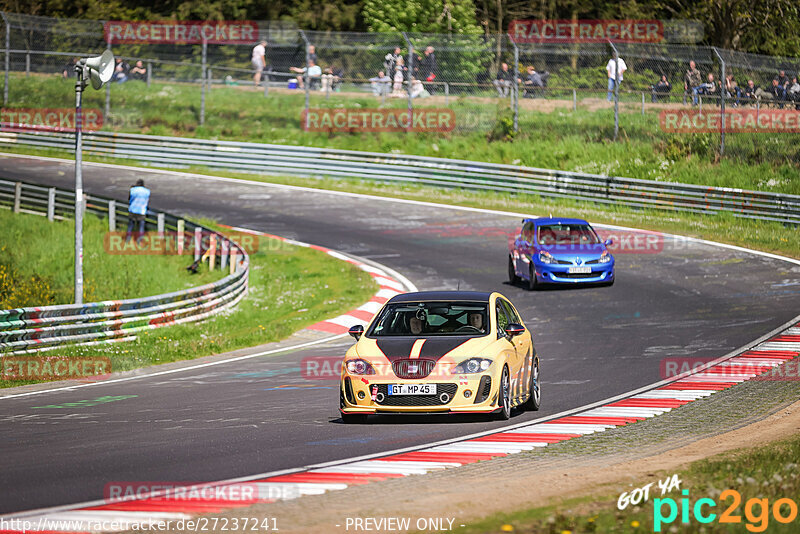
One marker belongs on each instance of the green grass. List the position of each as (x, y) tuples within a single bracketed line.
[(290, 288), (561, 139), (36, 265), (768, 472)]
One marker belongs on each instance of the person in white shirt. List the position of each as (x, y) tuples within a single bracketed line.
[(259, 61), (612, 75), (314, 71)]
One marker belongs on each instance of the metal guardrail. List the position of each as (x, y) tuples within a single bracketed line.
[(176, 152), (26, 329)]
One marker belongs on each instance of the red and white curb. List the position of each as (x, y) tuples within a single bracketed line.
[(389, 283), (775, 350)]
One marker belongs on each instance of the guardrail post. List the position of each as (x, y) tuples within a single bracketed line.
[(223, 260), (234, 259), (112, 215), (181, 230), (198, 240), (203, 84), (51, 204), (574, 100), (160, 224), (17, 196), (212, 251), (149, 72), (8, 59)]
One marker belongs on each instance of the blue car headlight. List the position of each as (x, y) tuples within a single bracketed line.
[(472, 366), (605, 257), (546, 257), (359, 367)]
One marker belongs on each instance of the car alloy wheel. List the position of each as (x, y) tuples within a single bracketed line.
[(533, 284), (535, 398), (505, 395), (512, 273)]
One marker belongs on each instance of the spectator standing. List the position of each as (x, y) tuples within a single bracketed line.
[(259, 61), (139, 72), (121, 70), (504, 80), (399, 75), (314, 72), (692, 80), (611, 70), (380, 84), (661, 89), (138, 200), (427, 67), (390, 61)]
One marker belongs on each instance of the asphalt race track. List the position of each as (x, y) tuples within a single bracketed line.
[(260, 415)]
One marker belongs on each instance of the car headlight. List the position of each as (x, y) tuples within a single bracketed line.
[(471, 366), (360, 367), (605, 257), (546, 257)]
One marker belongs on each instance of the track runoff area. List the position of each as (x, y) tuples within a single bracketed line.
[(657, 296)]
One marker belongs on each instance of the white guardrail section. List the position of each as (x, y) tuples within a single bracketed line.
[(27, 329), (174, 152)]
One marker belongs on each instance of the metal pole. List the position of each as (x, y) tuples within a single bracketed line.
[(51, 204), (410, 72), (112, 215), (616, 90), (642, 103), (28, 64), (722, 102), (8, 60), (149, 72), (78, 188), (203, 84), (515, 100), (306, 79), (574, 100), (108, 88)]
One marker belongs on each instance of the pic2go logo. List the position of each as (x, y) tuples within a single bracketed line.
[(756, 511)]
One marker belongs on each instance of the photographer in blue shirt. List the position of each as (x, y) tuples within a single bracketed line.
[(138, 199)]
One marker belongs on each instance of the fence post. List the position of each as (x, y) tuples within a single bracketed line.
[(8, 59), (28, 63), (410, 72), (306, 79), (209, 78), (108, 87), (179, 237), (616, 89), (160, 224), (446, 93), (51, 204), (198, 238), (112, 215), (721, 102), (642, 103), (149, 72), (515, 100), (17, 196), (223, 260), (574, 100), (203, 85)]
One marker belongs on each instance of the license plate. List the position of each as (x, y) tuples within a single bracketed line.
[(580, 270), (412, 389)]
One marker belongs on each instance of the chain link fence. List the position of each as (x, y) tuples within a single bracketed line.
[(488, 83)]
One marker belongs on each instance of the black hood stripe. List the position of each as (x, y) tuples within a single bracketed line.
[(395, 348)]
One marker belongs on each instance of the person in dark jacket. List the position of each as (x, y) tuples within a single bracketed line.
[(661, 89), (427, 68), (504, 80)]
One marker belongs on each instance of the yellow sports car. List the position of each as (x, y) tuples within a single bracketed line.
[(441, 352)]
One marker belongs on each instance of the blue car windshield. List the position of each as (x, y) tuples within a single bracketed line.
[(431, 319), (566, 234)]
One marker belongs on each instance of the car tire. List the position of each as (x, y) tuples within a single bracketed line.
[(512, 273), (354, 418), (504, 396), (533, 283), (535, 399)]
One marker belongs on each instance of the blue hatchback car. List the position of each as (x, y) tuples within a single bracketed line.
[(559, 251)]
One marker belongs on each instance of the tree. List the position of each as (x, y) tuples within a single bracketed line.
[(421, 16)]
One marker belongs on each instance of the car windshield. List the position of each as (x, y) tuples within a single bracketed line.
[(431, 319), (566, 234)]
